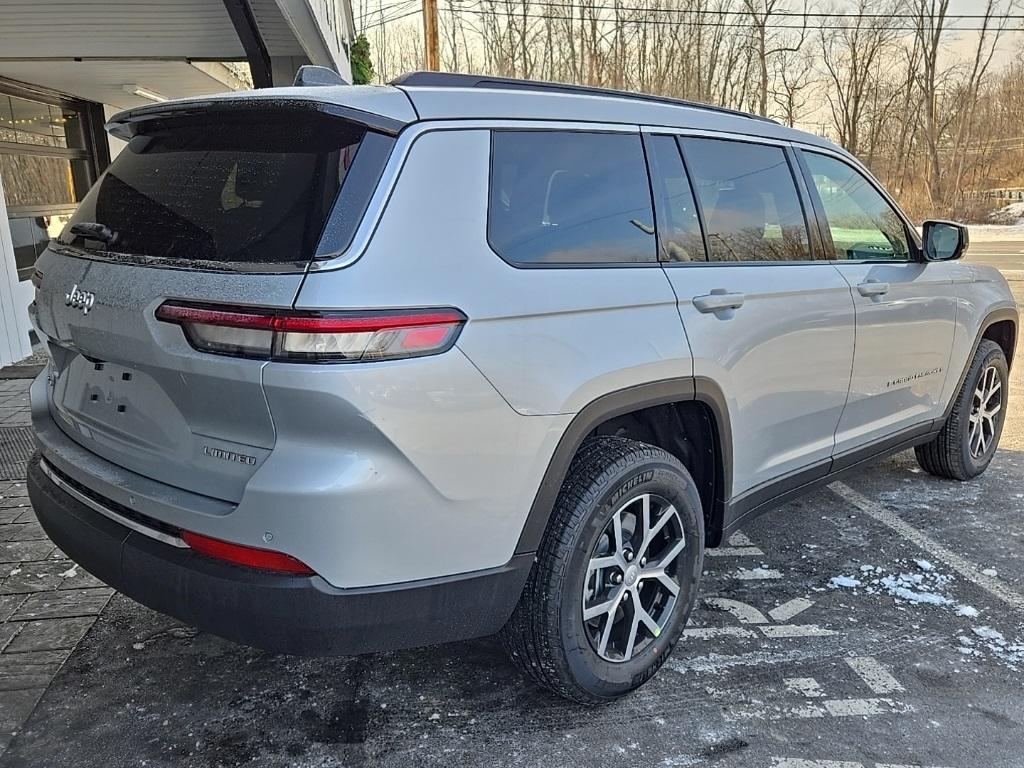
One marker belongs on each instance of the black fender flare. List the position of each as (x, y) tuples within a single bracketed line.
[(993, 317), (617, 403)]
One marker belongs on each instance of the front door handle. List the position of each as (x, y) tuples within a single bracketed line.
[(719, 300), (873, 288)]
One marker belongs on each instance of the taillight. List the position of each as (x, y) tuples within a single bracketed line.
[(315, 337), (250, 557)]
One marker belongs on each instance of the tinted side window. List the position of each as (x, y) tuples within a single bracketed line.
[(751, 206), (560, 197), (862, 223), (678, 223)]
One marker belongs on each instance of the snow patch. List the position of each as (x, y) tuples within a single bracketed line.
[(844, 582), (1012, 215), (916, 588), (1010, 653), (987, 633)]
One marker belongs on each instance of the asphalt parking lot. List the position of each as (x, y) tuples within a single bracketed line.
[(878, 623)]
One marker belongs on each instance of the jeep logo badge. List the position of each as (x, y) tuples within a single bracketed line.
[(80, 299)]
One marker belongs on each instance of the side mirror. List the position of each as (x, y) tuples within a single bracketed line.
[(944, 240)]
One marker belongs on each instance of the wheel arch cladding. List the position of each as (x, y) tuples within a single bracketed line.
[(1004, 333), (687, 416)]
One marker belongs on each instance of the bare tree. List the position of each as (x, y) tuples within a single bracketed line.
[(849, 57), (791, 85), (769, 40)]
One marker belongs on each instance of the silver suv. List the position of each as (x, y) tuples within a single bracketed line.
[(347, 369)]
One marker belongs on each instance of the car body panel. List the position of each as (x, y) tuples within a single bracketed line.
[(783, 359), (132, 389), (904, 340)]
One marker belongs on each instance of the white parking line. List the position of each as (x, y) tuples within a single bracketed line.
[(757, 574), (721, 662), (796, 630), (961, 565), (734, 552), (746, 613), (740, 540), (874, 675), (798, 762), (827, 708), (863, 707), (706, 633), (805, 686), (787, 611)]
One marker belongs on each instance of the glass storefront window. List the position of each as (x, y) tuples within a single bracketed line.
[(44, 169), (31, 122)]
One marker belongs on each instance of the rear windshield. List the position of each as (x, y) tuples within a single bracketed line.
[(222, 189)]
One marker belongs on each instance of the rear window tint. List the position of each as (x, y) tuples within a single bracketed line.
[(222, 190), (564, 197)]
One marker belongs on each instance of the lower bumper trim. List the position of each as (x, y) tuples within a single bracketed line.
[(280, 613)]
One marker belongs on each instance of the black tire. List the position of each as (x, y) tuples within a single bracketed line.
[(949, 454), (547, 636)]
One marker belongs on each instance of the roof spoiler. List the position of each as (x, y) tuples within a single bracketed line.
[(125, 125)]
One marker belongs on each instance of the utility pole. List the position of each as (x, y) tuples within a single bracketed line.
[(432, 56)]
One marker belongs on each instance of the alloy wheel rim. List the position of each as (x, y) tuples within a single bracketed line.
[(631, 587), (986, 404)]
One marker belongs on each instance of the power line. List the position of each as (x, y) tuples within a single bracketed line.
[(902, 27), (903, 24), (395, 18), (385, 14), (720, 12), (821, 15)]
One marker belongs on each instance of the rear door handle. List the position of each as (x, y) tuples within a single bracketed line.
[(718, 300), (873, 288)]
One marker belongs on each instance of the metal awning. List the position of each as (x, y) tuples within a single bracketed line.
[(93, 49)]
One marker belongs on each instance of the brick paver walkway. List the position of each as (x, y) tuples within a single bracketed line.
[(47, 604)]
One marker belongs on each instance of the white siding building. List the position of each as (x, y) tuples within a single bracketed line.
[(66, 67)]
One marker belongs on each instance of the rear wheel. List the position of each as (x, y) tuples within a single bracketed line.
[(965, 446), (616, 575)]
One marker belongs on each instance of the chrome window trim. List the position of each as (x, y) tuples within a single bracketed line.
[(94, 505), (706, 133)]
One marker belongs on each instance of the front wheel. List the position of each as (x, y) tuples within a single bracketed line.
[(616, 575), (965, 446)]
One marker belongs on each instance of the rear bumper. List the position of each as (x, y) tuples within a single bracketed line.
[(285, 614)]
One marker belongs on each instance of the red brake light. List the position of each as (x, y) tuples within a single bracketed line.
[(304, 336), (251, 557)]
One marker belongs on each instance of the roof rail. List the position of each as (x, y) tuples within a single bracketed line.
[(459, 80)]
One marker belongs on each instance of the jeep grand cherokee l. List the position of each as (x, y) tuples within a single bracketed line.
[(346, 369)]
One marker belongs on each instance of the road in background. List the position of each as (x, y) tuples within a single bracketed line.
[(1004, 255)]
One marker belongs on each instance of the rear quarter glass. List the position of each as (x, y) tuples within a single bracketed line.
[(220, 190)]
